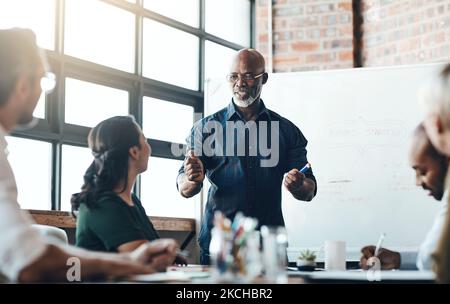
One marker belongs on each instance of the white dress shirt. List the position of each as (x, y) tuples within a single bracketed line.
[(20, 244), (422, 259), (431, 241)]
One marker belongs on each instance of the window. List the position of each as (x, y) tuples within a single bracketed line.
[(185, 11), (92, 47), (217, 60), (87, 104), (159, 194), (33, 177), (229, 20), (36, 15), (75, 161), (166, 120), (100, 33), (170, 55)]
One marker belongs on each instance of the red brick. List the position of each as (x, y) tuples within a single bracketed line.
[(280, 24), (263, 38), (262, 13), (305, 46), (320, 58), (440, 37), (411, 31), (308, 30), (346, 6), (281, 47), (346, 31), (285, 60), (346, 56)]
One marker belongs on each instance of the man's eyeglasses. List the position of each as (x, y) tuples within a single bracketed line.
[(233, 77), (48, 82)]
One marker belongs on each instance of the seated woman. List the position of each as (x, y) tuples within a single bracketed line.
[(110, 217)]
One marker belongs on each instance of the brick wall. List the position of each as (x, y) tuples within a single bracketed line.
[(318, 34), (406, 31), (307, 34), (261, 28)]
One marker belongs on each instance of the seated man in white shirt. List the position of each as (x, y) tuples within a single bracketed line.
[(25, 254), (431, 169)]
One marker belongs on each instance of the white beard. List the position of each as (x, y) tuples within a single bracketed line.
[(245, 103)]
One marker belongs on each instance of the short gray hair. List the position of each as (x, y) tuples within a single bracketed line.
[(435, 95)]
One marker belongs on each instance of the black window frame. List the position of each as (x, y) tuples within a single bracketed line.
[(55, 130)]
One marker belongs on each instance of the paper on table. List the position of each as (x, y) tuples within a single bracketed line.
[(399, 275), (189, 268), (169, 276)]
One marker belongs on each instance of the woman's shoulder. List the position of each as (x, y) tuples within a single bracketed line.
[(107, 196), (104, 200)]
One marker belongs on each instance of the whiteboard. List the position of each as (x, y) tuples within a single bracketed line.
[(358, 123)]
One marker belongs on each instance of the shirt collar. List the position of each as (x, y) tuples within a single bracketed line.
[(232, 112)]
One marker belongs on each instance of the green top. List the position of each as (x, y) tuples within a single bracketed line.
[(111, 223)]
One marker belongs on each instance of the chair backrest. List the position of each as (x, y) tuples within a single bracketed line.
[(54, 234)]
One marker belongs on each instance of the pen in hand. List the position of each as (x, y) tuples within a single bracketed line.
[(305, 168), (178, 253), (182, 253), (379, 244), (181, 257)]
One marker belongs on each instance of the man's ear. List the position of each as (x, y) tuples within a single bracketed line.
[(437, 122), (22, 86), (265, 77), (134, 152)]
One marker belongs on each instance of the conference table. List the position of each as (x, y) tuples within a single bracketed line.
[(198, 274)]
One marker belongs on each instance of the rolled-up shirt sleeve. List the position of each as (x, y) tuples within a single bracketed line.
[(297, 154), (194, 142)]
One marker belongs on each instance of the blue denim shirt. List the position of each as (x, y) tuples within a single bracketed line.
[(240, 181)]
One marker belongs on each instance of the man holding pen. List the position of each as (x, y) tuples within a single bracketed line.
[(245, 150), (431, 168)]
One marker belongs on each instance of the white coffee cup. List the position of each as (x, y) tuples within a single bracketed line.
[(335, 255)]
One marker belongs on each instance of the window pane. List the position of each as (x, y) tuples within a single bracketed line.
[(87, 104), (170, 55), (217, 60), (36, 15), (166, 120), (185, 11), (100, 33), (159, 194), (32, 171), (229, 20), (39, 111), (75, 161)]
